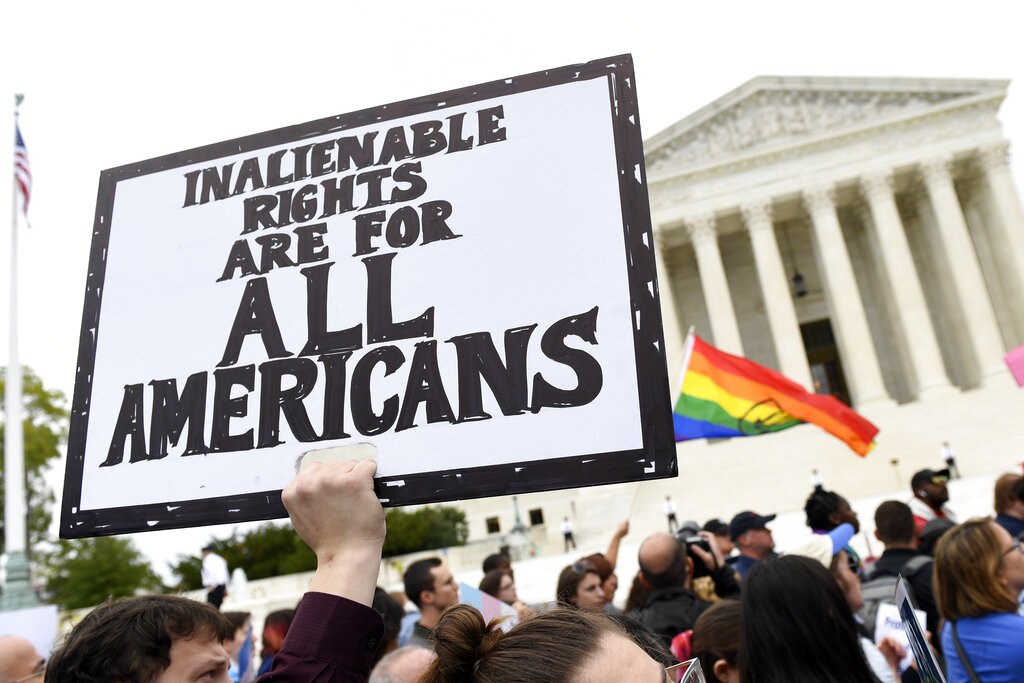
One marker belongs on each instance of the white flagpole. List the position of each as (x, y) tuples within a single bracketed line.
[(18, 589)]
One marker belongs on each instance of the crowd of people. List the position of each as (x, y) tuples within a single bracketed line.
[(720, 594)]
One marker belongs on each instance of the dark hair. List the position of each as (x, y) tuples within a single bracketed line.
[(819, 507), (492, 581), (392, 612), (793, 599), (496, 561), (894, 522), (569, 581), (716, 635), (673, 575), (278, 621), (652, 645), (638, 594), (601, 564), (130, 639), (545, 646), (933, 531), (418, 578), (1007, 490), (237, 621)]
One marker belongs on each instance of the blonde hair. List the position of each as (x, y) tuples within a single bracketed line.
[(968, 563)]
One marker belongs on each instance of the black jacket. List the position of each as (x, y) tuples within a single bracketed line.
[(670, 611)]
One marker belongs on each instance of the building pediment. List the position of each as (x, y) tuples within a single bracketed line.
[(769, 112)]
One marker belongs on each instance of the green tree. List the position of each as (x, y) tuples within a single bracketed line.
[(44, 421), (267, 551), (425, 529), (275, 550), (85, 572)]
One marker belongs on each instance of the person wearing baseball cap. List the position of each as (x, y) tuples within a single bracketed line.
[(930, 497), (749, 532)]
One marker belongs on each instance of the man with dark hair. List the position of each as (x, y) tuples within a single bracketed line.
[(146, 639), (431, 587), (930, 497), (749, 531), (335, 633), (1009, 503), (672, 607), (894, 526)]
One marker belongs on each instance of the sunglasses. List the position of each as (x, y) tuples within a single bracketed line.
[(1019, 545), (939, 480), (584, 567)]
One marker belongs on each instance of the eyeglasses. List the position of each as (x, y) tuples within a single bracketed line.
[(694, 672), (30, 676), (1019, 545)]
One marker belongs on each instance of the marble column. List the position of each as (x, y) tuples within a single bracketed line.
[(845, 306), (914, 321), (964, 271), (778, 301), (1007, 231), (721, 314), (669, 313)]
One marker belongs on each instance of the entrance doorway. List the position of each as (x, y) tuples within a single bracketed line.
[(823, 357)]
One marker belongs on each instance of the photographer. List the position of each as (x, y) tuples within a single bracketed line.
[(667, 565)]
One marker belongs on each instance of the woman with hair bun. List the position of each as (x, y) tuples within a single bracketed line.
[(979, 572), (558, 645), (579, 586)]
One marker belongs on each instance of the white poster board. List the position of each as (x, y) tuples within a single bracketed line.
[(464, 280)]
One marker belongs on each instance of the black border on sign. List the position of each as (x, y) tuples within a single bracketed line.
[(656, 459)]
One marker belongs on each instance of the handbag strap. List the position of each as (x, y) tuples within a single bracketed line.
[(963, 657)]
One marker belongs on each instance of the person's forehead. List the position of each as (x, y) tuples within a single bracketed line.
[(441, 573), (196, 652)]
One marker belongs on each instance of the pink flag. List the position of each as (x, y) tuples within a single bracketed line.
[(1015, 361)]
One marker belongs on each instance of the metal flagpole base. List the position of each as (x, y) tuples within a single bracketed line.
[(18, 593)]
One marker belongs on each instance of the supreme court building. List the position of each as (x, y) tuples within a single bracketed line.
[(864, 237)]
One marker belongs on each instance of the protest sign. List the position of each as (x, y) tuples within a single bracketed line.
[(465, 280), (927, 666), (889, 623)]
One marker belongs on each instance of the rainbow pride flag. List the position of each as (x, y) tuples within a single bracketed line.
[(724, 396)]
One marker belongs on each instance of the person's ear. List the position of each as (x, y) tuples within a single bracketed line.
[(921, 493), (426, 597), (877, 536), (720, 669)]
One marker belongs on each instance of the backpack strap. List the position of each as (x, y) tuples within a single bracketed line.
[(971, 673), (915, 565)]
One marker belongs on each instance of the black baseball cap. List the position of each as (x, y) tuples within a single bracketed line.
[(716, 526), (925, 476), (745, 521)]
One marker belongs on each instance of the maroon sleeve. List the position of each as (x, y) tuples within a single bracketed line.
[(331, 639)]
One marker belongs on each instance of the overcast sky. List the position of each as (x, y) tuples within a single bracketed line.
[(109, 83)]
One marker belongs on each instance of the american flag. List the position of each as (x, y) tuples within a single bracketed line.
[(22, 173)]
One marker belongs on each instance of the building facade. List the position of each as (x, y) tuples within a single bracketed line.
[(861, 235)]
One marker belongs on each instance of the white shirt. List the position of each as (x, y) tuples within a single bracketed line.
[(215, 571), (670, 507), (566, 527)]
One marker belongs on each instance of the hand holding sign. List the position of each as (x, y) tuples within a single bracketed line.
[(335, 511)]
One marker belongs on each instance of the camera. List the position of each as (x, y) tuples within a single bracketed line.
[(699, 568)]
